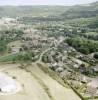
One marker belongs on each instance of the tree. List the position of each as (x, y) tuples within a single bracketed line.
[(96, 55)]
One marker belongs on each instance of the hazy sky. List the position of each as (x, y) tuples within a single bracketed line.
[(44, 2)]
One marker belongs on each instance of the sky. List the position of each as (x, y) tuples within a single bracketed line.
[(45, 2)]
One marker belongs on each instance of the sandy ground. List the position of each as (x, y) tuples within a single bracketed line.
[(32, 89), (58, 91)]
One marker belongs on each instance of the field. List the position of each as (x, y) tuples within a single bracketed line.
[(36, 84)]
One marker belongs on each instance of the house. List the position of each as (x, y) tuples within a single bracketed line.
[(16, 49), (82, 68), (95, 69), (61, 39), (60, 64), (76, 66), (77, 61), (59, 69), (54, 66), (64, 74), (84, 79), (92, 87), (9, 20), (93, 83)]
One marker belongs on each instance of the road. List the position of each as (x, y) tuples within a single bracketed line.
[(40, 58)]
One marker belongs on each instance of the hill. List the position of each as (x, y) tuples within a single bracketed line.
[(82, 11), (33, 11)]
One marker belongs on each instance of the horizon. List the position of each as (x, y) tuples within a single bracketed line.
[(45, 2)]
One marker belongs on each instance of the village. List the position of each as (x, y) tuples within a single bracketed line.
[(73, 67), (44, 44)]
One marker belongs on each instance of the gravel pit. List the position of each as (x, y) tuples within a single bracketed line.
[(8, 85)]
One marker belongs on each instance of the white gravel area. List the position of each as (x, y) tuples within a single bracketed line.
[(8, 85)]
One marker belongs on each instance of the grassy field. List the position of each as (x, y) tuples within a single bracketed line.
[(9, 57)]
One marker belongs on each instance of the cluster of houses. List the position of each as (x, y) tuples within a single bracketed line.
[(76, 72), (78, 80), (37, 41)]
